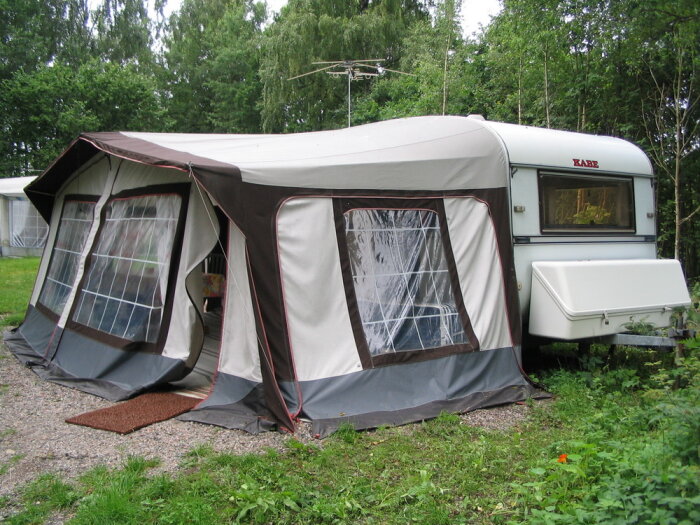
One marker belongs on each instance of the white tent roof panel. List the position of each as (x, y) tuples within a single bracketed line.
[(14, 186), (421, 153)]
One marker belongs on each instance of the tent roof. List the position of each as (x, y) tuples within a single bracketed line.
[(420, 153), (14, 186), (435, 153)]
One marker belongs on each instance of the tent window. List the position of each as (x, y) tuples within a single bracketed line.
[(402, 281), (126, 281), (73, 230), (585, 203), (27, 228)]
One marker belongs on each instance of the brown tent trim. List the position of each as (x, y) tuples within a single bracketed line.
[(44, 188)]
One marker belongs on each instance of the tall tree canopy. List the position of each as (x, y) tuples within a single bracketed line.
[(52, 105), (211, 61), (35, 33)]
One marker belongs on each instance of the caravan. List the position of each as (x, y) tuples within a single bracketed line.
[(372, 275), (584, 235)]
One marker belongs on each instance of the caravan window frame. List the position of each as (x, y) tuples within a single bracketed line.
[(73, 251), (549, 227), (369, 356), (77, 323)]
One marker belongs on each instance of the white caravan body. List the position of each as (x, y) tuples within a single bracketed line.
[(585, 267)]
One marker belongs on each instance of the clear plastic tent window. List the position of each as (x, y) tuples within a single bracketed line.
[(73, 230), (127, 280), (27, 228), (401, 279)]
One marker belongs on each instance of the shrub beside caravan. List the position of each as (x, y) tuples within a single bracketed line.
[(372, 275)]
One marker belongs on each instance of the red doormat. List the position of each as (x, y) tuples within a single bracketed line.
[(136, 413)]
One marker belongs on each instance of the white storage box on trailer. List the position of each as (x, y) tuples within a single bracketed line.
[(581, 299)]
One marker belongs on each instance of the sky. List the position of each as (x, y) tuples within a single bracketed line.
[(474, 12)]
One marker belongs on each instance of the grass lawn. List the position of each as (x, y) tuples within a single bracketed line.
[(620, 443), (16, 283)]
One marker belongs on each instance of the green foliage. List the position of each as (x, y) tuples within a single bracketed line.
[(36, 32), (309, 31), (592, 214), (639, 462), (432, 52), (346, 432), (43, 496), (212, 60), (52, 105), (124, 33), (640, 327)]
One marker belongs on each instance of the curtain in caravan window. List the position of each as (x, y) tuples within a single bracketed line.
[(73, 230), (28, 228), (401, 280), (126, 282)]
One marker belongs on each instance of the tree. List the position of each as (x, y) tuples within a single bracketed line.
[(432, 52), (124, 33), (35, 33), (623, 68), (667, 67), (49, 107), (309, 31), (212, 59)]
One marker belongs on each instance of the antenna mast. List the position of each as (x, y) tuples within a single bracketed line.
[(354, 70)]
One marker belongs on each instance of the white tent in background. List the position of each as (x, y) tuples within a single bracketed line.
[(22, 229)]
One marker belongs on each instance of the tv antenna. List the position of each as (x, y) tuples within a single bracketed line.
[(353, 70)]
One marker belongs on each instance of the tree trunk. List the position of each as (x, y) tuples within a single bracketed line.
[(520, 89), (444, 73), (677, 168), (546, 90)]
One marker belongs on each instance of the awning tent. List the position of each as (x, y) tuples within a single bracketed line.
[(369, 271), (22, 230)]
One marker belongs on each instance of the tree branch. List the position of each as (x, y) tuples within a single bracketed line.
[(688, 217)]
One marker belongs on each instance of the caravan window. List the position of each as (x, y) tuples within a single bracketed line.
[(125, 284), (585, 203), (73, 230), (401, 280)]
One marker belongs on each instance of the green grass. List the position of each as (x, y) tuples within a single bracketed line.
[(16, 282)]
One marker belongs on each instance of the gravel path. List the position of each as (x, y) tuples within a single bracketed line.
[(35, 439)]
